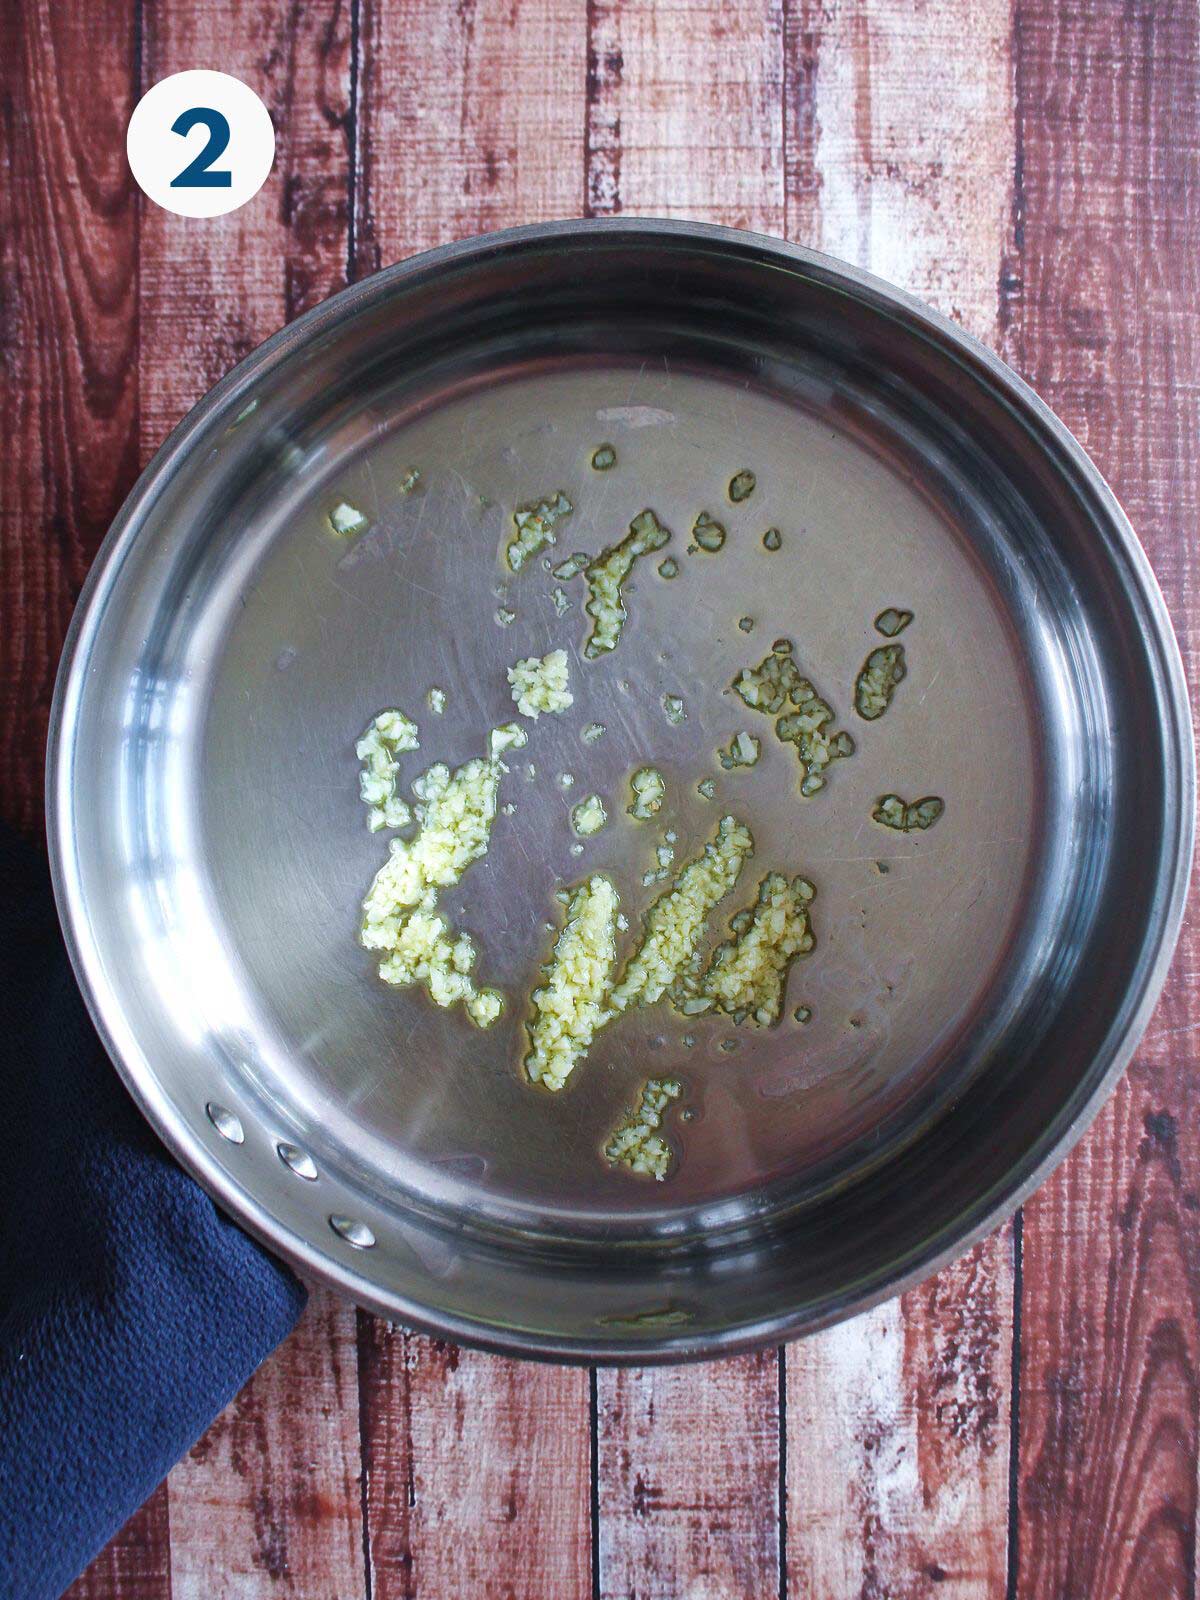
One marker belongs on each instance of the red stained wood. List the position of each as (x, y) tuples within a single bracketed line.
[(268, 1502), (689, 1480), (900, 149), (1108, 1398), (898, 1442), (476, 1472), (1103, 316), (470, 117), (68, 402), (136, 1563), (684, 110), (901, 144), (213, 289)]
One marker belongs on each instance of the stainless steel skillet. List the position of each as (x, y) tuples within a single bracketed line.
[(975, 989)]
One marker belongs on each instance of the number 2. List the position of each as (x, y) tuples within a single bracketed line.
[(198, 173)]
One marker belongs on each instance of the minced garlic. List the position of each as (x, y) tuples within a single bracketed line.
[(347, 519), (437, 701), (708, 533), (606, 576), (456, 814), (399, 913), (768, 686), (744, 751), (508, 736), (892, 621), (428, 951), (668, 956), (579, 998), (484, 1006), (572, 566), (387, 736), (664, 854), (541, 685), (895, 813), (747, 975), (535, 528), (649, 787), (876, 683), (570, 1006), (777, 681), (637, 1143), (815, 746), (589, 816)]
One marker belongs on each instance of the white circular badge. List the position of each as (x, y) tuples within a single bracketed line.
[(200, 143)]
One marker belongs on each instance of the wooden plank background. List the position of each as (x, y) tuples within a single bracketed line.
[(1025, 1424)]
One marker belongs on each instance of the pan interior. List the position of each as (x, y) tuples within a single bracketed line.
[(311, 634), (970, 985)]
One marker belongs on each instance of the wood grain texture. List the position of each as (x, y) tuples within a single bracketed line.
[(68, 340), (136, 1563), (476, 1472), (684, 119), (268, 1502), (214, 288), (901, 144), (684, 110), (900, 154), (477, 1469), (1104, 318), (1109, 1386), (470, 117), (689, 1481), (898, 1433)]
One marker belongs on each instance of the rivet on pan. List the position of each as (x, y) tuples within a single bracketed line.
[(299, 1161), (226, 1124), (354, 1232)]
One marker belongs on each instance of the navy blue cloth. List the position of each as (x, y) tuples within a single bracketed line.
[(131, 1311)]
